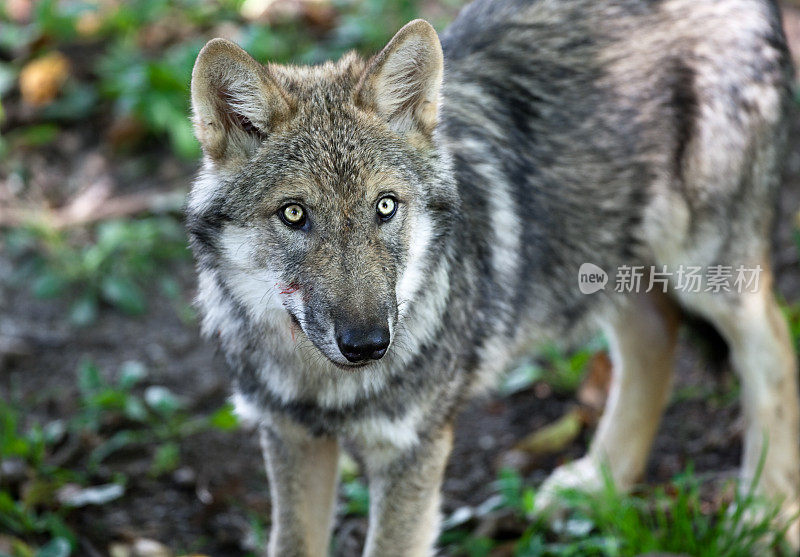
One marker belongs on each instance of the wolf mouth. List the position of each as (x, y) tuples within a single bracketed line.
[(349, 367)]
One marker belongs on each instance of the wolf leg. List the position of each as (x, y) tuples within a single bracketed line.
[(302, 471), (642, 336), (404, 498), (763, 357)]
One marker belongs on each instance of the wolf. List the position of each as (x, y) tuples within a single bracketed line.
[(377, 239)]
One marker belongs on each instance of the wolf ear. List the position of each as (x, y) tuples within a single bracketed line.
[(235, 101), (402, 82)]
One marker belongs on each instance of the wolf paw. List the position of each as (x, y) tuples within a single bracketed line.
[(583, 475)]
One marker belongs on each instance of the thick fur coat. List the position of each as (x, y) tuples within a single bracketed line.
[(538, 135)]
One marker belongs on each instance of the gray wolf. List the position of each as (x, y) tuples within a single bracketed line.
[(376, 240)]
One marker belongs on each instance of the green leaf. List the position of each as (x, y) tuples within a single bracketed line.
[(36, 135), (528, 501), (110, 399), (84, 311), (40, 492), (77, 102), (58, 547), (520, 378), (89, 378), (224, 419), (118, 441), (8, 77), (183, 140), (123, 294), (135, 410), (161, 399), (170, 287), (130, 374), (48, 285), (356, 495), (52, 21), (14, 36), (166, 459)]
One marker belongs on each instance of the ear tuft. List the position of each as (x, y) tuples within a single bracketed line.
[(403, 81), (236, 102)]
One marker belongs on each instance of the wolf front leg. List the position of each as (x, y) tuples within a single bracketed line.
[(302, 472), (404, 497)]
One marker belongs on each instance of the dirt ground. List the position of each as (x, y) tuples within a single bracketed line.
[(208, 504)]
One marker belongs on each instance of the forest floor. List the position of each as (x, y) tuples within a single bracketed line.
[(200, 487)]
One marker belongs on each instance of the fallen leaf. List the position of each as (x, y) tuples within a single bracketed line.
[(254, 9), (320, 15), (41, 79), (125, 131), (89, 23), (141, 547), (119, 550), (144, 547), (553, 437), (39, 491), (593, 390), (73, 495), (19, 10)]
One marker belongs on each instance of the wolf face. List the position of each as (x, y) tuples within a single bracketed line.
[(322, 174)]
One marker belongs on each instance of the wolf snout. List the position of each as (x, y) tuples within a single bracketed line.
[(363, 343)]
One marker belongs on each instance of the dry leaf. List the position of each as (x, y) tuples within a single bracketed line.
[(144, 547), (555, 436), (593, 391), (19, 11), (89, 23), (253, 10), (141, 547), (125, 131), (41, 80)]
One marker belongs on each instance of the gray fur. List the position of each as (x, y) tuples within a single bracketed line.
[(619, 133)]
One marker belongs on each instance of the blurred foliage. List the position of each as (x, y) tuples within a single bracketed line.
[(355, 491), (110, 416), (119, 259), (673, 519), (562, 370), (129, 63)]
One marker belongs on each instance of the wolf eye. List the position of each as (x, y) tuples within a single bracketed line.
[(293, 215), (387, 206)]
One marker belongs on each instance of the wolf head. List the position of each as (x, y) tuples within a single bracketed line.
[(323, 187)]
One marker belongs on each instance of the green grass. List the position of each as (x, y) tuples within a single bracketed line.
[(562, 370), (110, 416), (670, 519)]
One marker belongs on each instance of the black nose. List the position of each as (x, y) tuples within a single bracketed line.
[(363, 344)]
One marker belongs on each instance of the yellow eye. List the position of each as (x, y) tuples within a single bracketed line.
[(386, 207), (293, 215)]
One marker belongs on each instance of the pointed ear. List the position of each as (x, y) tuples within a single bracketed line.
[(235, 101), (402, 82)]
